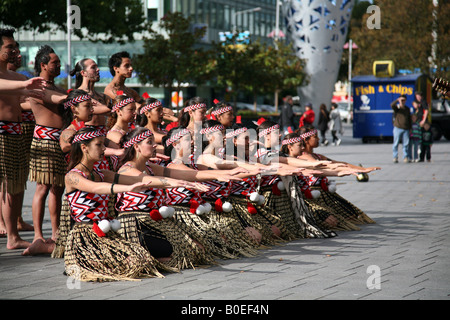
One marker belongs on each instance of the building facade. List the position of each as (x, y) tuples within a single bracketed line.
[(217, 15)]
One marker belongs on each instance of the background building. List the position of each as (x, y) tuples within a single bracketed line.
[(217, 15)]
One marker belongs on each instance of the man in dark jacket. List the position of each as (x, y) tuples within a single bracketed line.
[(287, 116), (402, 125)]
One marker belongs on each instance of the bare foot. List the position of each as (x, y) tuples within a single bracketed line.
[(17, 243), (39, 246), (23, 226), (2, 233)]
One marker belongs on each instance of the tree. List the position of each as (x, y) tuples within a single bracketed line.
[(106, 21), (258, 68), (405, 36), (173, 59)]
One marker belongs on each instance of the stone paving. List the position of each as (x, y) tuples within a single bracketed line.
[(405, 255)]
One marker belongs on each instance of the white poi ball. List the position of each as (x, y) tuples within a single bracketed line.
[(200, 210), (164, 211), (227, 207), (315, 194), (261, 200), (332, 188), (172, 212), (254, 196), (104, 225), (280, 186), (115, 225), (207, 206)]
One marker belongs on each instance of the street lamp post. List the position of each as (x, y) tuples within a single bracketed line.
[(242, 12)]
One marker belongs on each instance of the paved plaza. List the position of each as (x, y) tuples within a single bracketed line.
[(405, 255)]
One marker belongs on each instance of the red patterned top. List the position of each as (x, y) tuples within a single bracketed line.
[(181, 195), (152, 198), (87, 206)]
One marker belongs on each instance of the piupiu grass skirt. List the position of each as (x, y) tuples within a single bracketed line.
[(65, 225), (89, 257), (342, 207), (186, 252), (321, 212), (47, 163), (233, 227), (261, 220), (205, 232), (27, 131), (309, 228), (13, 164)]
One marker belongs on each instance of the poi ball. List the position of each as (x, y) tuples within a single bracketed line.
[(171, 211), (362, 177), (315, 194), (164, 211), (200, 210), (104, 225), (332, 188), (281, 186), (115, 225), (261, 200), (207, 206), (227, 207), (254, 196)]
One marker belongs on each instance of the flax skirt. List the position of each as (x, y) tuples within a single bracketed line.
[(89, 257), (186, 253), (13, 163), (47, 163)]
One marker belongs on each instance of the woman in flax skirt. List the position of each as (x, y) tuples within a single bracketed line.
[(325, 216), (185, 248), (193, 206), (94, 251), (283, 195), (345, 208), (245, 194)]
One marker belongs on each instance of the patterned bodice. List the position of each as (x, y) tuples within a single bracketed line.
[(244, 187), (181, 195), (217, 189), (152, 198), (87, 206), (264, 156)]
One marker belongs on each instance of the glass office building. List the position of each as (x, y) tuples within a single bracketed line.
[(257, 17)]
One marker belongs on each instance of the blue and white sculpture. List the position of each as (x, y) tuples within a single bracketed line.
[(318, 30)]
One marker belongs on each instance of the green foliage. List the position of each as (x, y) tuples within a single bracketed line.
[(405, 37), (106, 21)]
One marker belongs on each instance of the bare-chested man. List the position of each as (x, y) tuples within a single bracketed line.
[(121, 69), (87, 74), (27, 131), (13, 165), (47, 163)]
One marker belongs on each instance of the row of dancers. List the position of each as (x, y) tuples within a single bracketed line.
[(201, 189)]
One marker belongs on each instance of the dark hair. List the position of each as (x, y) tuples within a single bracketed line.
[(75, 149), (184, 117), (171, 133), (334, 105), (42, 56), (220, 104), (284, 148), (7, 33), (112, 118), (79, 66), (208, 124), (116, 61), (141, 119), (67, 115), (265, 125), (129, 153)]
